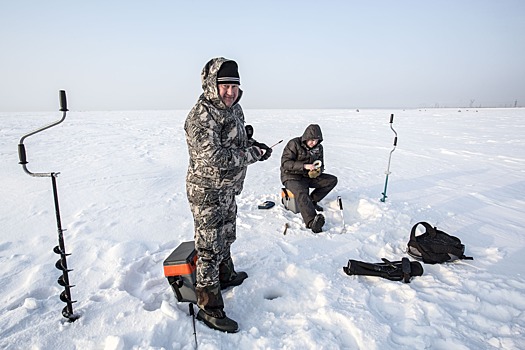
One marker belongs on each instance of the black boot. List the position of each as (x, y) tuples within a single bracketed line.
[(211, 305), (316, 225), (227, 275)]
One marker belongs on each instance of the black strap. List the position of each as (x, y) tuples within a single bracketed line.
[(429, 229), (286, 194), (407, 269), (192, 313), (176, 283)]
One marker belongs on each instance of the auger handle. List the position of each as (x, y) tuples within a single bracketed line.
[(22, 154), (391, 122), (63, 101), (21, 147)]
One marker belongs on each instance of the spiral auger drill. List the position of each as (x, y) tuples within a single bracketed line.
[(60, 249), (387, 172)]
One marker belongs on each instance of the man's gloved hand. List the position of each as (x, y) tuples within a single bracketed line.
[(268, 150), (316, 170), (312, 174)]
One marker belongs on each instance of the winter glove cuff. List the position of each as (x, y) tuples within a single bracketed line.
[(255, 153), (268, 150)]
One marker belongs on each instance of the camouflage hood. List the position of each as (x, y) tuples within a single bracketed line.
[(209, 82), (218, 146)]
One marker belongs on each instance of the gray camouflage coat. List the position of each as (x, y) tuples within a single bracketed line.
[(219, 149)]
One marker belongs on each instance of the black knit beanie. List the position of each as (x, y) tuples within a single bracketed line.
[(228, 73)]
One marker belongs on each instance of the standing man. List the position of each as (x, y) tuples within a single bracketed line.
[(302, 166), (220, 150)]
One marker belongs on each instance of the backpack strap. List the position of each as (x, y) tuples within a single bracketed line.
[(407, 269), (429, 229)]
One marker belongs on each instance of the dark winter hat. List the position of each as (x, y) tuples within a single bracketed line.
[(228, 73)]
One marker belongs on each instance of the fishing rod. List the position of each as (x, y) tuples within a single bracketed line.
[(276, 144), (60, 249), (387, 172)]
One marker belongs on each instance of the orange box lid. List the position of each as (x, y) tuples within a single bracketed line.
[(181, 269)]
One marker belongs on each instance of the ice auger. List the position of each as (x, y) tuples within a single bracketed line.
[(60, 249), (387, 172)]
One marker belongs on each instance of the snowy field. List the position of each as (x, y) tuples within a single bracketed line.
[(123, 203)]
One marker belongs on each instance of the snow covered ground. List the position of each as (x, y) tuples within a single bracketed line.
[(123, 203)]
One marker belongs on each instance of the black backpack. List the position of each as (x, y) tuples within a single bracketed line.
[(435, 246)]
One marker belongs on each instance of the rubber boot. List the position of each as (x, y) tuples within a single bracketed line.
[(316, 225), (211, 309), (227, 275)]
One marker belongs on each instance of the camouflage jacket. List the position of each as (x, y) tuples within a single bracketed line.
[(296, 154), (218, 147)]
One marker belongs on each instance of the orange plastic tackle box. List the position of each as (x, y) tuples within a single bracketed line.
[(179, 269), (289, 201)]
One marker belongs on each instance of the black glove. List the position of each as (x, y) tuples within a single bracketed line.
[(268, 150), (249, 131)]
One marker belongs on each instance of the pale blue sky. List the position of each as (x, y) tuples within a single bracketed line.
[(131, 55)]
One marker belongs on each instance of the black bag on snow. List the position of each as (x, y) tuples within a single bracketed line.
[(395, 271), (435, 246)]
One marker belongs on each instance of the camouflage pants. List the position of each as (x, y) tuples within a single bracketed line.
[(214, 215)]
